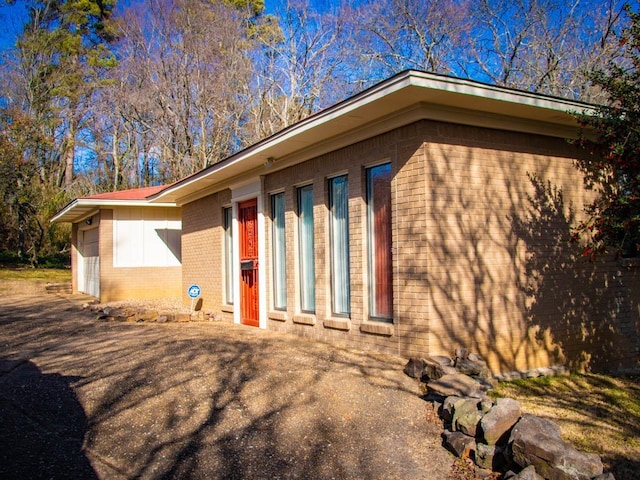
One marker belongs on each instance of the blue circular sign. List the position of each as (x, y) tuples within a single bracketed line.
[(194, 291)]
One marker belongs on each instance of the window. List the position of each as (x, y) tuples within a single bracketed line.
[(379, 241), (339, 231), (227, 213), (279, 252), (306, 249)]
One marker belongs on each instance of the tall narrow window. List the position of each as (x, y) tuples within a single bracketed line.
[(339, 229), (227, 213), (379, 241), (279, 252), (306, 249)]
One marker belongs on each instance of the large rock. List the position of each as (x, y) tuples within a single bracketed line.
[(414, 367), (147, 316), (536, 441), (436, 367), (605, 476), (456, 384), (459, 443), (528, 473), (442, 360), (473, 364), (466, 416), (446, 412), (485, 455), (492, 457), (499, 420)]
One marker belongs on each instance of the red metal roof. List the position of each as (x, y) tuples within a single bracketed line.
[(131, 194)]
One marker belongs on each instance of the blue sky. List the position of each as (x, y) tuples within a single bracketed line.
[(11, 20), (13, 16)]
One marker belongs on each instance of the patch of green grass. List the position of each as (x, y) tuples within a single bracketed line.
[(52, 275)]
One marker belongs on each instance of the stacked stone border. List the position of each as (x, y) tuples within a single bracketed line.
[(106, 313), (493, 433)]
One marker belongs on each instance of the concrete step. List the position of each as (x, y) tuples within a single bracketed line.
[(59, 288)]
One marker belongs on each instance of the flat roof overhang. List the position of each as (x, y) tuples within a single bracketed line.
[(403, 99), (82, 208)]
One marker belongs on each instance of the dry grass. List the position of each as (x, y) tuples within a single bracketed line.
[(597, 413), (52, 275), (30, 281)]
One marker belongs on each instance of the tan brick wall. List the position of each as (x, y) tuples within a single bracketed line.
[(352, 161), (480, 221), (203, 250), (502, 278), (135, 282)]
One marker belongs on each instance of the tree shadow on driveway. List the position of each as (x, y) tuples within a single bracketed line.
[(42, 425), (215, 400)]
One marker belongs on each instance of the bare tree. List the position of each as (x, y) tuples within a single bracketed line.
[(539, 45), (183, 64), (544, 45), (395, 35), (302, 67)]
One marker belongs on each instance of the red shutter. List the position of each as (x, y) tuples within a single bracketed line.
[(383, 275)]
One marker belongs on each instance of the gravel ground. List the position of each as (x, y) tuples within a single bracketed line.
[(82, 399)]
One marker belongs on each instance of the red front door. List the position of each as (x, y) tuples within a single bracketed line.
[(248, 219)]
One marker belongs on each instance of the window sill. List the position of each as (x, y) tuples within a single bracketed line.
[(377, 328), (630, 262), (303, 319), (278, 315), (227, 308), (337, 323)]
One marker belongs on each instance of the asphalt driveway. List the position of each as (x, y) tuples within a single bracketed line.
[(80, 398)]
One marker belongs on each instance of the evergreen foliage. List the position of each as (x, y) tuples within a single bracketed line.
[(612, 169)]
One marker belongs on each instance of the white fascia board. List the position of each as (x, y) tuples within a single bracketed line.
[(79, 208), (503, 94), (127, 203)]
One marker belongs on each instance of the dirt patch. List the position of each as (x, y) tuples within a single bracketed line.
[(23, 287), (162, 305)]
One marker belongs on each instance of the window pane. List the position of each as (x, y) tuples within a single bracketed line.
[(306, 249), (228, 254), (279, 252), (379, 241), (339, 225)]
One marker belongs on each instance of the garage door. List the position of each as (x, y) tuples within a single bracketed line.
[(89, 274)]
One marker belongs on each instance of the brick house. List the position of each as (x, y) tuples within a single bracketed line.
[(421, 215)]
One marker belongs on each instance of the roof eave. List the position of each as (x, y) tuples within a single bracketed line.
[(81, 208), (402, 91)]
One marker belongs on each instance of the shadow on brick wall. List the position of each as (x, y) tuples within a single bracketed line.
[(587, 309)]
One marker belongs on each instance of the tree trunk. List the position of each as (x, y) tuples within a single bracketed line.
[(69, 153), (116, 160)]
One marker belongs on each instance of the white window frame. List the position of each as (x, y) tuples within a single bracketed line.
[(278, 251)]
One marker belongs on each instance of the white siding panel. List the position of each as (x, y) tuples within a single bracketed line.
[(146, 237), (127, 236)]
